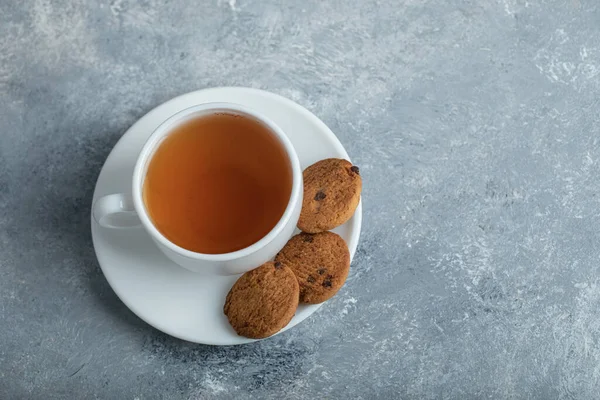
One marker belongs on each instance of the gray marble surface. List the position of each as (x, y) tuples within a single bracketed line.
[(476, 126)]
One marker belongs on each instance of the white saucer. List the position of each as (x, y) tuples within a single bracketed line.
[(168, 297)]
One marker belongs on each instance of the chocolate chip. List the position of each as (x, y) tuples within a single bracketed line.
[(320, 195), (278, 265), (321, 271), (310, 279), (307, 238), (327, 283), (355, 169)]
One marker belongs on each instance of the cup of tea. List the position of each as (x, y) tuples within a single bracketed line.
[(217, 186)]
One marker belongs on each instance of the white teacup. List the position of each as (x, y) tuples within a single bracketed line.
[(126, 211)]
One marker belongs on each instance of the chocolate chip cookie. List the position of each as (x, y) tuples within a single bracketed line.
[(331, 194), (262, 301), (320, 261)]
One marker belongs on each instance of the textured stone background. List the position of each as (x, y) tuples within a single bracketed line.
[(476, 126)]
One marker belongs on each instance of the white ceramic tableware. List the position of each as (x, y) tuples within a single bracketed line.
[(179, 302), (118, 210)]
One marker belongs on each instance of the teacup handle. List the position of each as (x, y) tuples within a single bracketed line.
[(116, 211)]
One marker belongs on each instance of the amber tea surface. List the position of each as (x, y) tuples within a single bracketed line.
[(217, 183)]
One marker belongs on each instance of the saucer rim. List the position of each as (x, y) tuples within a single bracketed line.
[(305, 113)]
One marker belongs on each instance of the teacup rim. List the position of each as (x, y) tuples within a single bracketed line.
[(161, 132)]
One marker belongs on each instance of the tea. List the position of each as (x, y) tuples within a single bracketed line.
[(218, 183)]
